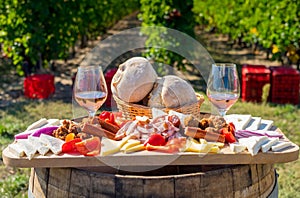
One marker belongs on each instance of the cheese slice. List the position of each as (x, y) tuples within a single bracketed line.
[(54, 144), (139, 147), (41, 147), (281, 145), (269, 144), (53, 122), (240, 121), (253, 143), (130, 143), (191, 146), (214, 149), (41, 122), (29, 149), (109, 146), (237, 147), (253, 124), (265, 125), (16, 149), (218, 144)]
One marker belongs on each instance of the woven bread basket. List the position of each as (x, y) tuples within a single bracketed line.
[(130, 110)]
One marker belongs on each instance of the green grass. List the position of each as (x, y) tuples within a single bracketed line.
[(15, 118)]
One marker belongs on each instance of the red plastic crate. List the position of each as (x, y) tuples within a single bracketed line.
[(254, 78), (39, 86), (285, 85)]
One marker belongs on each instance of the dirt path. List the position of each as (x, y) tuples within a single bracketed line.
[(217, 46)]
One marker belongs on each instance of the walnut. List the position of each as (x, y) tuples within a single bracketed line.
[(204, 123), (67, 127)]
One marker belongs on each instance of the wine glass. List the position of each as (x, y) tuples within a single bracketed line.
[(90, 90), (223, 87)]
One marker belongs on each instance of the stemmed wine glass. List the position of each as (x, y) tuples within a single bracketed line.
[(90, 90), (223, 87)]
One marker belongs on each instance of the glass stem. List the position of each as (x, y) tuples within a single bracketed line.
[(222, 112), (91, 116)]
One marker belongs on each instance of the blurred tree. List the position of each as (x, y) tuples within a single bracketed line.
[(174, 14)]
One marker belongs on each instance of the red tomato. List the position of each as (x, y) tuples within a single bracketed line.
[(112, 119), (104, 115), (69, 146), (229, 137), (155, 140), (228, 132), (231, 125), (231, 128), (108, 117), (89, 147)]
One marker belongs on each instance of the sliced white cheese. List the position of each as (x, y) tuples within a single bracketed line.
[(253, 143), (240, 121), (41, 122), (54, 144), (16, 149), (41, 147), (254, 123), (53, 122), (269, 144), (265, 125), (109, 146), (29, 149), (237, 147), (281, 145)]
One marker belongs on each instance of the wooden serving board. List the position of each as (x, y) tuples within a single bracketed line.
[(152, 158)]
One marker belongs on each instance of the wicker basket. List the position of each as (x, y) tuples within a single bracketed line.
[(130, 110)]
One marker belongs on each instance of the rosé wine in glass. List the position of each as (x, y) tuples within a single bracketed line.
[(90, 89), (223, 87)]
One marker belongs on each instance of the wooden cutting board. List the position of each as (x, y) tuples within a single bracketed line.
[(152, 158)]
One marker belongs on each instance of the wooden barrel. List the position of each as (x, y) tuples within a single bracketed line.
[(170, 181)]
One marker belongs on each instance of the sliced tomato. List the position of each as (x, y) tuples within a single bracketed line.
[(155, 140), (69, 147), (89, 147)]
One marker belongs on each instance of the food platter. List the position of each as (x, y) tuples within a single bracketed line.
[(152, 158)]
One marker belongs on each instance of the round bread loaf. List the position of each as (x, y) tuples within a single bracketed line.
[(133, 80), (171, 92)]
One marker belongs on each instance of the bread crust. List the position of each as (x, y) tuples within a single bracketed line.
[(133, 80)]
